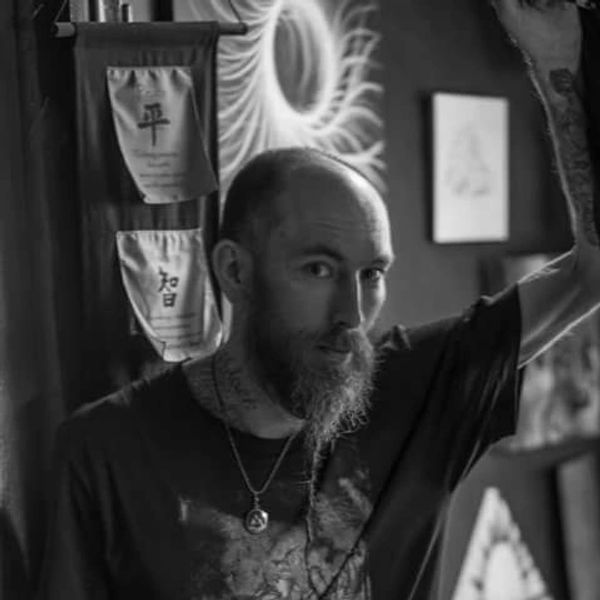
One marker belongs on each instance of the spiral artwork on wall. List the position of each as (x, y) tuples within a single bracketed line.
[(304, 75)]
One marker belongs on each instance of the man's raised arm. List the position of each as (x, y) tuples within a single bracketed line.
[(548, 32)]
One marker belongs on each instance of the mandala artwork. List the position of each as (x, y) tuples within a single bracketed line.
[(304, 75), (498, 564)]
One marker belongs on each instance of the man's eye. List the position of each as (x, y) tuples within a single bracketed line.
[(374, 275), (319, 269)]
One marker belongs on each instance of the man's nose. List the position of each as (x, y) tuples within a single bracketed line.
[(348, 306)]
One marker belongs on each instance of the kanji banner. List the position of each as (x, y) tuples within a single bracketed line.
[(159, 133), (139, 59), (166, 278)]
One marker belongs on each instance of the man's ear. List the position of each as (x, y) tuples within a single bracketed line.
[(232, 265)]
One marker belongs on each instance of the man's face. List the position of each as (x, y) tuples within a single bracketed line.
[(319, 286)]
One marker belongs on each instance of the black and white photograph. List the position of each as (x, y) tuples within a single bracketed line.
[(299, 300)]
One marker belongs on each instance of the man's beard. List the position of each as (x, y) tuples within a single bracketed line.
[(333, 397)]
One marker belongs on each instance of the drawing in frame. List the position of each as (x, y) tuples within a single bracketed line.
[(470, 168)]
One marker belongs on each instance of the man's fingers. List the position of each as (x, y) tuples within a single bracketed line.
[(546, 31)]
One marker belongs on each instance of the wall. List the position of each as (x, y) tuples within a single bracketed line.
[(456, 46), (459, 46)]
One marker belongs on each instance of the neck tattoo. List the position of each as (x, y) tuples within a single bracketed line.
[(256, 519)]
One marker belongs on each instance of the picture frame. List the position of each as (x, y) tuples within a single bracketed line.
[(470, 168), (579, 499)]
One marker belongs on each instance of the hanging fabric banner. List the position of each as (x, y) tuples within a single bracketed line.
[(157, 126), (116, 347), (167, 282)]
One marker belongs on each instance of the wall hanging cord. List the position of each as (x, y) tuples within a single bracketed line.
[(67, 29), (234, 10)]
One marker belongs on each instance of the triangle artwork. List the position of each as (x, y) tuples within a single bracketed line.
[(498, 565)]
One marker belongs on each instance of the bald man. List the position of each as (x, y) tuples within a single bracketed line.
[(312, 456)]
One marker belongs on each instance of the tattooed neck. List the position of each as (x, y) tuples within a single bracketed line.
[(228, 378), (234, 381), (569, 129), (245, 405)]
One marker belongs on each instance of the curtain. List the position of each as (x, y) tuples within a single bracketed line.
[(45, 302), (39, 300)]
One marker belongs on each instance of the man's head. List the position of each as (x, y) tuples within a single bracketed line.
[(304, 248)]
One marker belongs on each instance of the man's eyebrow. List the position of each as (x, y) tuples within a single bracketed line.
[(322, 249), (325, 250)]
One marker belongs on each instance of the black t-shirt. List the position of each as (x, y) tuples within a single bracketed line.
[(149, 501)]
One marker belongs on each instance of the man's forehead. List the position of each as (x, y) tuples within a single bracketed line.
[(318, 227), (338, 235), (336, 195), (367, 249), (331, 206)]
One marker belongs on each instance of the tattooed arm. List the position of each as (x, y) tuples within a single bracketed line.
[(562, 95), (566, 290)]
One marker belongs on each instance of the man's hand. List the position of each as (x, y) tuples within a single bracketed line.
[(548, 32)]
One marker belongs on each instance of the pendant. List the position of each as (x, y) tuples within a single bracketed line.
[(257, 519)]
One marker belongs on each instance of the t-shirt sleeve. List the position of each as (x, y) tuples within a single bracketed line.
[(478, 367), (74, 568), (449, 388)]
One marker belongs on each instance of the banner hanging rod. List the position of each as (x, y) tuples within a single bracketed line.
[(67, 29)]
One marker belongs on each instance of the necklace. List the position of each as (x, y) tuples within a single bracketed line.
[(256, 519)]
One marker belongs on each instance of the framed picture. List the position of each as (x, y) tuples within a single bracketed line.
[(498, 563), (579, 493), (470, 168)]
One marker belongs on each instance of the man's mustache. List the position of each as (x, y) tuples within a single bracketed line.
[(342, 339)]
